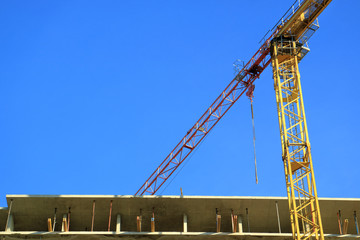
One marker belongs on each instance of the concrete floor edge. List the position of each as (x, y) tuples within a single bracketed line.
[(105, 233)]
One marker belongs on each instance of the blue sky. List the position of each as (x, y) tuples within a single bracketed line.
[(95, 94)]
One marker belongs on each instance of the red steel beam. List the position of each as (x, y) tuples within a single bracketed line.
[(237, 87)]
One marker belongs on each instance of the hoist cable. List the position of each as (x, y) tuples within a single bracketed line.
[(253, 124)]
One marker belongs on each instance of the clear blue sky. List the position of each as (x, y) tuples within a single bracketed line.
[(95, 94)]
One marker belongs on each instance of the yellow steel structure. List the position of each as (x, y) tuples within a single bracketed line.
[(287, 48), (296, 154)]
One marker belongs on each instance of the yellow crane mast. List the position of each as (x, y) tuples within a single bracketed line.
[(296, 153), (287, 49)]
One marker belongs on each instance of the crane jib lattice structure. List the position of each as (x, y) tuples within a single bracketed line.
[(284, 46)]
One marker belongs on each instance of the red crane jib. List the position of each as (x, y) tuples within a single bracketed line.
[(237, 87)]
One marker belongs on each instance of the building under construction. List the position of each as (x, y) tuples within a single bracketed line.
[(183, 217), (165, 217)]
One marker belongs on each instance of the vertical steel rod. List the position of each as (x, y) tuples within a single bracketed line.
[(68, 226), (278, 217), (54, 220), (49, 225), (218, 221), (152, 227), (346, 224), (247, 218), (232, 221), (64, 225), (93, 216), (339, 221), (356, 223), (138, 221), (110, 216)]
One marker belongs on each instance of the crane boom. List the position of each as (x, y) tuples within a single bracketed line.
[(284, 46), (237, 87)]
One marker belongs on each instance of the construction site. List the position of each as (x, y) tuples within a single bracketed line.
[(147, 214)]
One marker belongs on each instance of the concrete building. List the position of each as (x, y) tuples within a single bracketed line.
[(163, 217)]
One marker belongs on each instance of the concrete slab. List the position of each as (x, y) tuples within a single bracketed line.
[(31, 213)]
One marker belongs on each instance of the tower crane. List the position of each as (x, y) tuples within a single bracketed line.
[(284, 46)]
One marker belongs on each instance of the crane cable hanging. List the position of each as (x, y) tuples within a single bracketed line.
[(250, 95)]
